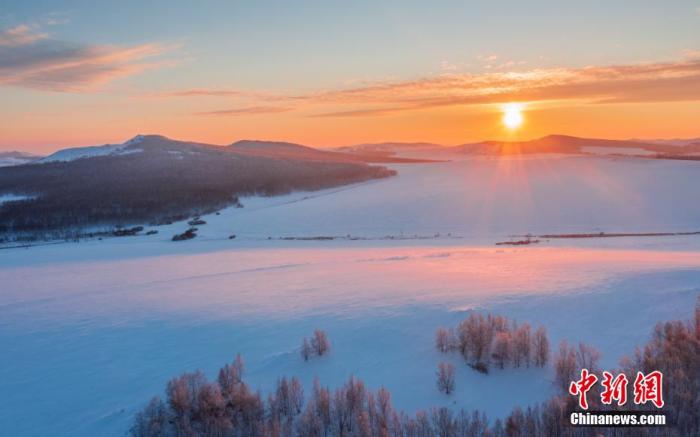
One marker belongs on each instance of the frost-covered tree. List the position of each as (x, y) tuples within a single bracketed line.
[(442, 340), (152, 421), (565, 366), (475, 338), (522, 345), (195, 407), (446, 377), (182, 397), (540, 347), (306, 349), (502, 349), (320, 343), (587, 357)]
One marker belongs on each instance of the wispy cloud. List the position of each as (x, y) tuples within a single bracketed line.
[(196, 92), (19, 35), (251, 110), (32, 59), (650, 82), (656, 82), (366, 112)]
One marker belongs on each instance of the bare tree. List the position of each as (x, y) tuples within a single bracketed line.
[(306, 349), (211, 411), (502, 349), (522, 345), (320, 342), (587, 357), (697, 319), (475, 338), (152, 421), (540, 347), (446, 377), (565, 366), (239, 367), (445, 340)]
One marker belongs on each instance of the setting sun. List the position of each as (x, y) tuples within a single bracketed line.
[(513, 115)]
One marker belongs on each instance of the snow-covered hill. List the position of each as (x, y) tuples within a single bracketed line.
[(73, 153), (8, 159)]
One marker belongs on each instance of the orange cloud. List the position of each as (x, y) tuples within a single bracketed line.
[(251, 110), (19, 35), (34, 60), (672, 81), (650, 82)]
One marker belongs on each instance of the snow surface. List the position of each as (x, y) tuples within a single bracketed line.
[(74, 153), (94, 330), (480, 199)]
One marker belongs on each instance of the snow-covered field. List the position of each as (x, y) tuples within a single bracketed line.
[(90, 331)]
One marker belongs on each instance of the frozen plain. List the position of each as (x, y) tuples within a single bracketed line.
[(90, 331)]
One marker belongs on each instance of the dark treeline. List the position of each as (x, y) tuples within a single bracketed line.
[(165, 181), (228, 407)]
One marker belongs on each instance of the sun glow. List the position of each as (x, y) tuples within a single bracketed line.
[(513, 115)]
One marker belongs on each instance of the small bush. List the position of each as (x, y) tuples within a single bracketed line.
[(187, 235)]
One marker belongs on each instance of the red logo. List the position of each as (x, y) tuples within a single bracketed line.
[(647, 388), (615, 389), (582, 386)]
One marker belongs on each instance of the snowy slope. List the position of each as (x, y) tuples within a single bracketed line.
[(74, 153), (8, 159)]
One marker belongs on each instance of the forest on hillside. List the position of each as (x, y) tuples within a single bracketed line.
[(155, 187)]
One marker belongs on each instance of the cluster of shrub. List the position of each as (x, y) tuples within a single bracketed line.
[(127, 232), (187, 235), (317, 346), (228, 407), (496, 340)]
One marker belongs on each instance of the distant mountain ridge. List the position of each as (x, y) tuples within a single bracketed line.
[(565, 144), (568, 144), (384, 152), (16, 158)]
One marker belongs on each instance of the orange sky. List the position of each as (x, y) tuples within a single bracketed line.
[(209, 75)]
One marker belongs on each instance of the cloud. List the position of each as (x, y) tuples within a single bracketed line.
[(251, 110), (649, 82), (654, 82), (31, 59), (365, 112), (19, 35), (196, 92)]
